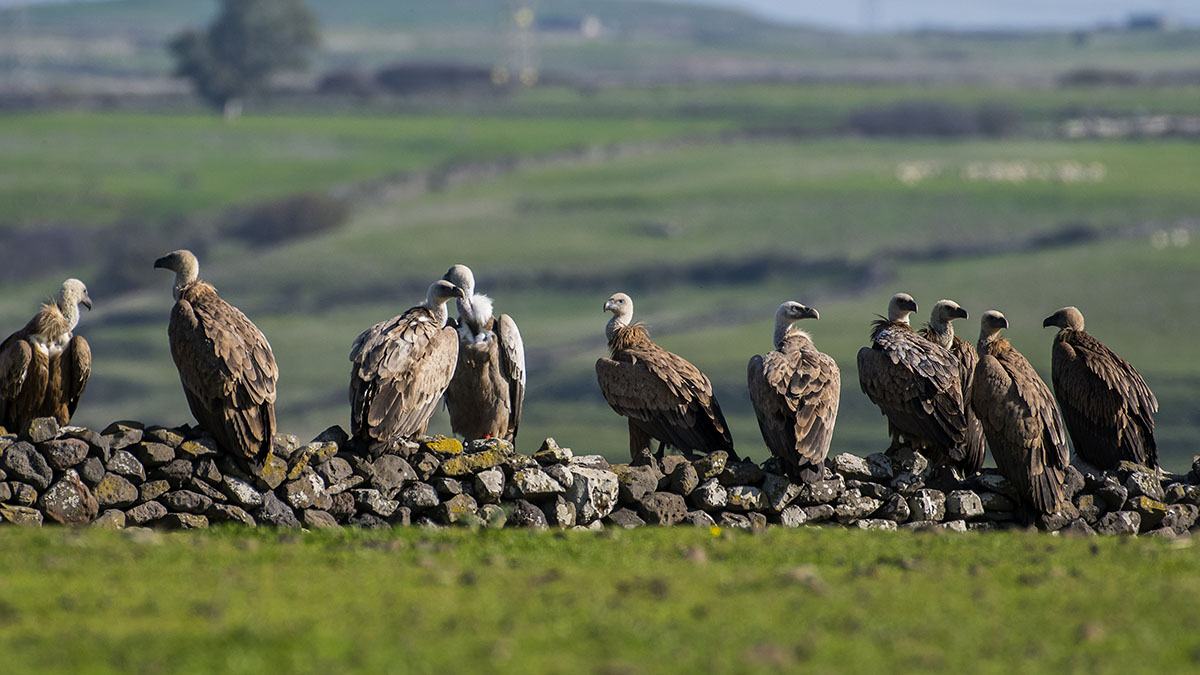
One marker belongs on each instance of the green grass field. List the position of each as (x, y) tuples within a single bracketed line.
[(650, 600)]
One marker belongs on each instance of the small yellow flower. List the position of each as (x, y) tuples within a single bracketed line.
[(714, 530)]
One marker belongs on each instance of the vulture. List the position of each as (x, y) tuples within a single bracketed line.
[(1020, 419), (967, 460), (224, 361), (401, 367), (1108, 409), (44, 367), (663, 396), (915, 383), (795, 391), (488, 388)]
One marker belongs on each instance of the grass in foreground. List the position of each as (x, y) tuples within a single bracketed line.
[(650, 600)]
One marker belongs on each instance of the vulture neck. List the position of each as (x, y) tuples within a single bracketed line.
[(943, 331), (437, 307), (986, 340), (70, 312), (476, 312), (784, 330), (617, 322), (188, 272)]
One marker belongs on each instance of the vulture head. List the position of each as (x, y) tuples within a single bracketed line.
[(1067, 317), (72, 294), (946, 311), (461, 276), (185, 266), (990, 325), (900, 306), (621, 306), (789, 313), (440, 292)]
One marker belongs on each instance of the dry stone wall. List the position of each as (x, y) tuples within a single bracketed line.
[(132, 475)]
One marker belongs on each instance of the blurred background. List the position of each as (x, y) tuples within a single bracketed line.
[(328, 160)]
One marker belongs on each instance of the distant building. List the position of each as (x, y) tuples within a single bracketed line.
[(1148, 21)]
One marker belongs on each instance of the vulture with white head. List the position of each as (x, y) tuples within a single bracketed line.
[(795, 391), (1019, 417), (224, 361), (1107, 406), (402, 367), (916, 384), (662, 395), (44, 367), (968, 459), (487, 391)]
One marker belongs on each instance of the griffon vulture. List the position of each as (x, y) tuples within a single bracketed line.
[(968, 459), (401, 368), (663, 396), (795, 391), (44, 367), (224, 362), (1106, 404), (488, 388), (915, 383), (1020, 420)]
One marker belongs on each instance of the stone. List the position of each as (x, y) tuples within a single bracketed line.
[(821, 491), (162, 436), (793, 516), (308, 492), (154, 454), (624, 518), (869, 489), (206, 470), (39, 430), (852, 506), (635, 482), (336, 470), (560, 473), (391, 474), (145, 513), (533, 484), (489, 486), (185, 501), (121, 435), (1142, 484), (594, 493), (1152, 512), (922, 526), (285, 445), (559, 512), (907, 483), (242, 493), (550, 453), (23, 462), (316, 519), (895, 508), (525, 514), (996, 503), (115, 491), (1181, 517), (746, 498), (419, 497), (711, 465), (5, 493), (853, 466), (882, 524), (271, 472), (23, 494), (334, 434), (1112, 493), (683, 480), (964, 505), (493, 516), (1078, 528), (65, 453), (663, 508), (991, 481), (590, 462), (183, 521), (69, 501), (1089, 510), (733, 520), (1182, 493), (455, 509), (1073, 482), (928, 504), (368, 521), (758, 521), (425, 464), (447, 487), (175, 472), (123, 463), (197, 485), (778, 492), (21, 515), (112, 519), (698, 518), (709, 496), (818, 513), (274, 512), (467, 464), (228, 513), (91, 470), (1119, 522), (205, 446), (907, 460), (744, 472), (441, 446), (669, 465), (954, 526), (343, 506)]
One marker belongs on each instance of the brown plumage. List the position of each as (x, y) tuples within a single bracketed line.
[(44, 367), (487, 392), (400, 369), (915, 383), (224, 361), (663, 396), (795, 390), (968, 458), (1107, 406), (1020, 419)]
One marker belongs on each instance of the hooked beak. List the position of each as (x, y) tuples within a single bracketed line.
[(961, 313), (86, 302), (1005, 322), (810, 313), (608, 306), (161, 262), (458, 292), (1048, 321)]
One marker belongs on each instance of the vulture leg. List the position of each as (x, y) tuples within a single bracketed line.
[(638, 440)]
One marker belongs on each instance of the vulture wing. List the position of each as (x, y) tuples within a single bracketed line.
[(512, 367), (795, 398)]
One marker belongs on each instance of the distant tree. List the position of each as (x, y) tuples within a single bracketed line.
[(249, 40)]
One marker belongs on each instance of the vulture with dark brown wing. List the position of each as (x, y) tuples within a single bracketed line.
[(485, 396), (402, 367), (1108, 408), (1020, 419), (915, 383), (663, 396), (224, 361), (967, 459), (795, 391), (44, 367)]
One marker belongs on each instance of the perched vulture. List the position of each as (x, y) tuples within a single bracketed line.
[(44, 367), (401, 368), (488, 388), (663, 396), (1106, 404), (224, 362), (795, 392), (967, 459), (915, 383), (1020, 420)]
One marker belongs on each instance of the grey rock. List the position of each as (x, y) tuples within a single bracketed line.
[(730, 519), (493, 515), (698, 518), (625, 518), (663, 508), (145, 513), (39, 430), (65, 453), (123, 463), (635, 482), (895, 508), (1141, 484), (152, 490), (1181, 517), (922, 526), (206, 470), (560, 473), (964, 505), (6, 492), (161, 435), (880, 466), (590, 462), (335, 470), (242, 493), (391, 474), (23, 462), (559, 512), (668, 465), (69, 501), (343, 506), (758, 521), (115, 491), (372, 500), (91, 470), (120, 435), (709, 496), (368, 521), (154, 454), (711, 465), (991, 481), (821, 491), (746, 498), (1119, 522), (907, 483), (535, 484), (455, 509), (1152, 512), (334, 434), (197, 485), (1073, 483), (852, 506), (316, 519), (550, 453), (21, 515), (793, 516), (525, 514), (275, 513), (1078, 528), (907, 460), (308, 492), (928, 504), (683, 480), (228, 513), (1182, 493), (1053, 522), (425, 464), (778, 492), (23, 494), (994, 503), (112, 519), (489, 486), (353, 481), (183, 521), (594, 493), (1089, 509), (869, 489), (447, 487), (175, 472), (1112, 493), (186, 501), (744, 472), (819, 513), (877, 524), (205, 446), (284, 445), (954, 526), (419, 497)]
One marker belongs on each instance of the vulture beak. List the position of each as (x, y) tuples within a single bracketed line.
[(86, 301), (161, 262), (810, 313), (608, 305), (961, 313), (912, 306), (458, 292), (1048, 321), (1004, 322)]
